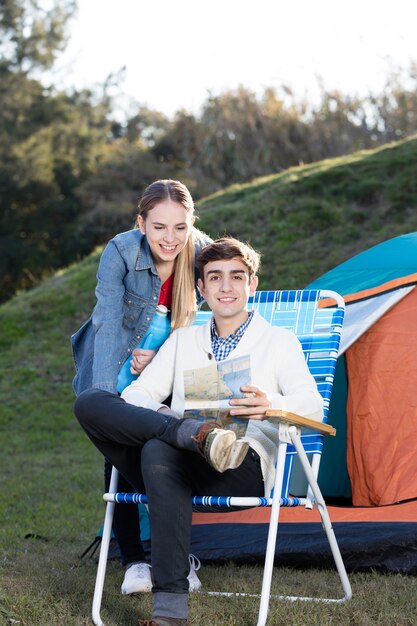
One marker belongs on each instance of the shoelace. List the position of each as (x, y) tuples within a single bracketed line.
[(200, 437), (142, 569), (195, 563)]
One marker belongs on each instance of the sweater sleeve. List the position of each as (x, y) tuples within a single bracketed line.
[(155, 383)]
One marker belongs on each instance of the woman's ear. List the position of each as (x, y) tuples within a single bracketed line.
[(141, 225)]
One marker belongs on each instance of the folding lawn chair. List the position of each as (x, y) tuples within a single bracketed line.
[(316, 317)]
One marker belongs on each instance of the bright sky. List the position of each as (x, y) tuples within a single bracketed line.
[(177, 51)]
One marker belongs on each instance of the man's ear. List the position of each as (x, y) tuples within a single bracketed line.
[(200, 286), (141, 225), (253, 285)]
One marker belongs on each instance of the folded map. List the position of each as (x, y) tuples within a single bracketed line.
[(209, 389)]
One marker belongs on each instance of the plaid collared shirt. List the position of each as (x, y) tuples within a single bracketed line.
[(222, 346)]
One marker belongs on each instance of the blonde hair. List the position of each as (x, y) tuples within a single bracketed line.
[(184, 302)]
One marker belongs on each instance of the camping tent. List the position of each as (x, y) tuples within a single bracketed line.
[(374, 409), (377, 378)]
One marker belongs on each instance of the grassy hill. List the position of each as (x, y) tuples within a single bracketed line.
[(304, 220), (308, 219)]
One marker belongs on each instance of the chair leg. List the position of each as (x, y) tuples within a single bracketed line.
[(321, 506), (272, 536), (104, 552), (315, 464)]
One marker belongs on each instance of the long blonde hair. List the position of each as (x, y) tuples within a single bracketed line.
[(184, 302)]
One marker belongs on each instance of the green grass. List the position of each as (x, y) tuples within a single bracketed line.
[(304, 220), (51, 586)]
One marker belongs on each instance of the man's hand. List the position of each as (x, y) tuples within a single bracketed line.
[(140, 359), (254, 406)]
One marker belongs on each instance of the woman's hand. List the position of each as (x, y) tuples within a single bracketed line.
[(254, 406), (140, 359)]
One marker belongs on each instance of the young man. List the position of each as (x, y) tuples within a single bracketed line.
[(172, 458)]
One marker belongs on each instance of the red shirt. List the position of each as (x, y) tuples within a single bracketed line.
[(165, 295)]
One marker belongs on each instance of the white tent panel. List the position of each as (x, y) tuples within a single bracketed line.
[(360, 316)]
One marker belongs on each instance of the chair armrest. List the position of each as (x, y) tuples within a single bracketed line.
[(299, 420)]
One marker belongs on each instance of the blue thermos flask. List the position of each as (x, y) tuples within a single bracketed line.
[(155, 336)]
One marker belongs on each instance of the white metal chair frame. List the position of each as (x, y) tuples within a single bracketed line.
[(284, 309)]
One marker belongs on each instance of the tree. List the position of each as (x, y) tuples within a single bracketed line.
[(110, 194), (32, 35), (339, 125), (49, 145), (147, 125), (394, 110)]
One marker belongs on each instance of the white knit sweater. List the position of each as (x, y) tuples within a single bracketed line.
[(277, 366)]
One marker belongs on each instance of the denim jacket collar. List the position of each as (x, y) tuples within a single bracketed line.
[(144, 260)]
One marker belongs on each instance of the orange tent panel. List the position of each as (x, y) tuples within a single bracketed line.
[(382, 408)]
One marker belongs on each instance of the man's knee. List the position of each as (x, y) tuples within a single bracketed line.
[(155, 450), (158, 457), (164, 476)]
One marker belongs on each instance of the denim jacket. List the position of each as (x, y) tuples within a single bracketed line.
[(127, 292)]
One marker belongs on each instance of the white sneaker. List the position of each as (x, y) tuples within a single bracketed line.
[(220, 447), (137, 579), (223, 451), (193, 579)]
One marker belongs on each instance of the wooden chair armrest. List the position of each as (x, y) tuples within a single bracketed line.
[(298, 420)]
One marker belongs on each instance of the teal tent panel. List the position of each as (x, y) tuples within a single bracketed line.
[(333, 475), (387, 261)]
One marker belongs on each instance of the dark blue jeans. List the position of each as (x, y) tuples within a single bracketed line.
[(156, 455)]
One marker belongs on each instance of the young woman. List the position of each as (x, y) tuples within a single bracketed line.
[(152, 264)]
